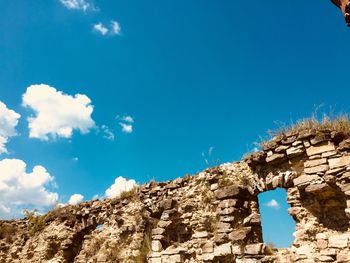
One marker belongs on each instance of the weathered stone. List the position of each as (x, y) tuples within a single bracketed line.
[(222, 250), (344, 145), (281, 148), (343, 257), (229, 203), (325, 259), (305, 250), (339, 162), (252, 220), (277, 157), (338, 241), (317, 188), (316, 162), (208, 247), (328, 154), (164, 224), (227, 218), (207, 257), (317, 169), (320, 137), (202, 234), (239, 234), (227, 211), (158, 231), (237, 250), (254, 249), (167, 204), (214, 187), (220, 238), (224, 227), (156, 246), (305, 179), (155, 260), (322, 244), (325, 147), (228, 192), (295, 151)]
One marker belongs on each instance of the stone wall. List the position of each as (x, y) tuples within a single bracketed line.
[(212, 216)]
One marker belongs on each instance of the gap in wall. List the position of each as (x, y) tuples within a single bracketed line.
[(277, 225)]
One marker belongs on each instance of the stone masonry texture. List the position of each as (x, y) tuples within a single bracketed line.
[(212, 216)]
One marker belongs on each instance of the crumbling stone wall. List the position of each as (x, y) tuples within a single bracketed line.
[(209, 217)]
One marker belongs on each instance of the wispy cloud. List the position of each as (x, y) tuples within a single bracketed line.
[(82, 5), (126, 123), (128, 119), (107, 133), (273, 204), (115, 28), (105, 30), (100, 28), (126, 128)]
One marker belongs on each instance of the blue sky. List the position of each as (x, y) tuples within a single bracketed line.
[(277, 224), (192, 75)]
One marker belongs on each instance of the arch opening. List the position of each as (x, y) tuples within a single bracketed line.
[(277, 225)]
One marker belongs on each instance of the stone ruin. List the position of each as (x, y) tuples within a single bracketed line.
[(212, 216)]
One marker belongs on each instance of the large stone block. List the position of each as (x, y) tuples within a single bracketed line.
[(338, 241), (275, 158), (202, 234), (229, 203), (156, 246), (339, 162), (295, 151), (223, 250), (240, 234), (228, 192), (254, 249), (325, 147), (316, 162), (305, 178), (317, 169)]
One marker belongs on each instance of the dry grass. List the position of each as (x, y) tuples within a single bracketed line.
[(207, 195), (340, 123), (35, 222), (7, 232), (128, 194), (145, 247), (270, 248)]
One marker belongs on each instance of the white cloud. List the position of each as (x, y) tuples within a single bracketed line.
[(128, 119), (57, 114), (8, 123), (120, 185), (20, 189), (75, 159), (100, 28), (115, 28), (112, 30), (75, 199), (127, 128), (82, 5), (107, 133), (273, 204)]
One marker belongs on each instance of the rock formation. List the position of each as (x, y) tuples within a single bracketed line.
[(212, 216)]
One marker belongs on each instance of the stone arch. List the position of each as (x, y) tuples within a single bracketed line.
[(314, 169)]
